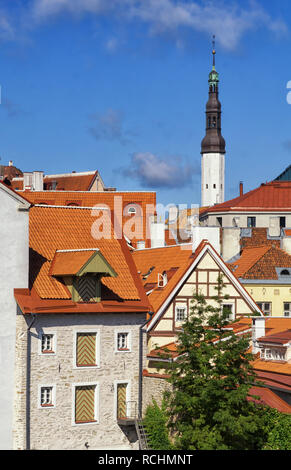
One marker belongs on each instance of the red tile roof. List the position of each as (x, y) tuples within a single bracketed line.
[(259, 236), (282, 337), (269, 398), (260, 262), (53, 229), (275, 195), (115, 201)]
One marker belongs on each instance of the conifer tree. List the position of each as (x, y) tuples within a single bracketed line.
[(208, 408)]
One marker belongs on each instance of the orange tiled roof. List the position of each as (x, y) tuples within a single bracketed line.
[(174, 260), (69, 262), (260, 262), (275, 195), (113, 200), (53, 229)]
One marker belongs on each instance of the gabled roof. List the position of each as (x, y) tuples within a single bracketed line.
[(178, 262), (260, 262), (273, 196), (54, 229), (25, 203)]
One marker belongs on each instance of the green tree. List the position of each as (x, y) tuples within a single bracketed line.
[(279, 430), (155, 422), (208, 409)]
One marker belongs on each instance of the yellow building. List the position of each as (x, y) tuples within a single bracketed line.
[(265, 272)]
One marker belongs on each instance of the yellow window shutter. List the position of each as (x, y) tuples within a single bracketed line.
[(85, 404), (86, 349), (121, 400)]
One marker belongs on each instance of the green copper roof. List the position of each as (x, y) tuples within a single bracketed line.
[(213, 77)]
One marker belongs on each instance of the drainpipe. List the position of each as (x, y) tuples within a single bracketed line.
[(141, 363), (28, 370)]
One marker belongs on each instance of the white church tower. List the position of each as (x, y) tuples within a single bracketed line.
[(212, 146)]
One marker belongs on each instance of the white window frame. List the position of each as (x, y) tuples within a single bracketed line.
[(125, 330), (128, 395), (263, 308), (162, 279), (287, 310), (54, 352), (97, 352), (233, 313), (96, 402), (53, 405), (178, 306)]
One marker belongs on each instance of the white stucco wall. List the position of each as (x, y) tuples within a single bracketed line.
[(13, 274), (212, 174)]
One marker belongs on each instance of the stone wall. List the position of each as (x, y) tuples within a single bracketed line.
[(54, 428), (153, 388)]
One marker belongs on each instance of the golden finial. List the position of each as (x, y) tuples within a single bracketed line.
[(213, 49)]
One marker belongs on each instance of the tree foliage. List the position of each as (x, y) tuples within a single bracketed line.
[(208, 407), (155, 422), (278, 429)]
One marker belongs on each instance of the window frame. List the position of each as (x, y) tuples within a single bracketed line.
[(129, 339), (47, 407), (97, 352), (178, 306), (263, 309), (96, 403), (250, 220), (54, 340), (233, 313)]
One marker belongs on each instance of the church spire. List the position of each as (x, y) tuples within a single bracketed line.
[(213, 144), (213, 141)]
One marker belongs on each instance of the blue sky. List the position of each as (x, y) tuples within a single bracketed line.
[(121, 87)]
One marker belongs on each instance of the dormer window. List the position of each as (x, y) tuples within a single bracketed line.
[(131, 210), (285, 272), (81, 271), (162, 279)]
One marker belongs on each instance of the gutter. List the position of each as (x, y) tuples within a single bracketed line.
[(28, 379), (140, 391)]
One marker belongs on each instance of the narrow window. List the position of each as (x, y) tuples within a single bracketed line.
[(228, 311), (219, 221), (287, 309), (181, 313), (251, 221), (47, 344), (214, 186), (122, 341), (282, 222)]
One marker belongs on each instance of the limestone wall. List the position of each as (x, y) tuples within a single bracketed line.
[(54, 428)]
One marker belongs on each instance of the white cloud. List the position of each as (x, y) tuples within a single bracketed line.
[(227, 20), (153, 172)]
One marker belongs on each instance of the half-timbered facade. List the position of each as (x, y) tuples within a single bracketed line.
[(170, 276)]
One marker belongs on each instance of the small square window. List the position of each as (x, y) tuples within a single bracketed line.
[(181, 313), (123, 341), (46, 397), (47, 344)]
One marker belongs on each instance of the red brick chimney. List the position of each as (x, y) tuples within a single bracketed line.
[(241, 188)]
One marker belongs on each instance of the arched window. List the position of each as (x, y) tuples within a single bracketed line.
[(285, 272)]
